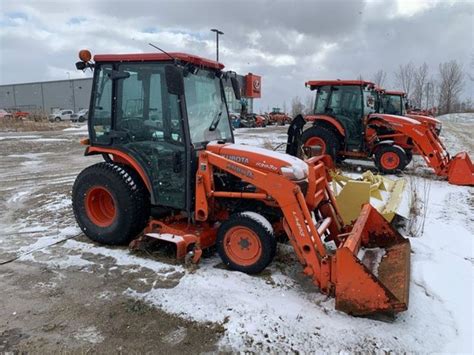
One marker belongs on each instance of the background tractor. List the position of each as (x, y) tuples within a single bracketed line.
[(171, 169), (345, 124), (396, 103)]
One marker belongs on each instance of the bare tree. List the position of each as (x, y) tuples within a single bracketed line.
[(450, 86), (419, 85), (297, 106), (404, 77), (431, 89), (379, 77)]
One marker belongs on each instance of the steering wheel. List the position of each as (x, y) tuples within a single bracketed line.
[(132, 126)]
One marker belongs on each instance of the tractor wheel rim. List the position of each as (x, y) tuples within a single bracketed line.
[(390, 160), (100, 206), (242, 246), (311, 142)]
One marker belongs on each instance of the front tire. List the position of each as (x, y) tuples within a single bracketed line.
[(81, 119), (245, 242), (110, 203), (390, 159), (323, 137)]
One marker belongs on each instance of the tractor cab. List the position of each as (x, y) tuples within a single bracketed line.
[(394, 103), (159, 110), (348, 103)]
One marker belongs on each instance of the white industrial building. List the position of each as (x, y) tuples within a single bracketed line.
[(46, 96)]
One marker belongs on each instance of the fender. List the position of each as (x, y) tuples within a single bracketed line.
[(122, 157), (331, 120)]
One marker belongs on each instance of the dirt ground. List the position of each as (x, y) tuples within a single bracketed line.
[(50, 309)]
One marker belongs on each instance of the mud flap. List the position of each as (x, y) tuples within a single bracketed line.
[(461, 170), (372, 268)]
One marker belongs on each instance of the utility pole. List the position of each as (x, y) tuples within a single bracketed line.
[(217, 41)]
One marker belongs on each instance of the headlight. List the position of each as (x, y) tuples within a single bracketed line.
[(294, 172)]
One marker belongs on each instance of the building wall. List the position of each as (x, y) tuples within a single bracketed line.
[(47, 96)]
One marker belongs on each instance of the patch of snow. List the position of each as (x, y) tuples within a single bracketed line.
[(89, 334), (19, 137), (76, 128)]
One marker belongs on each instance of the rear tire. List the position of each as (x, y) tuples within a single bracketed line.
[(245, 243), (57, 119), (390, 159), (110, 203), (330, 142), (81, 119)]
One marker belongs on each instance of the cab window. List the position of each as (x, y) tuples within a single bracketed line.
[(102, 105)]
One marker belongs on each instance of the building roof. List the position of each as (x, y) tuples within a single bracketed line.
[(146, 57), (317, 83)]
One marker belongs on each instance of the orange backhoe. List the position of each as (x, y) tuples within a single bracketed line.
[(172, 169), (345, 124)]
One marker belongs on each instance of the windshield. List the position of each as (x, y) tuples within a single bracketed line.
[(392, 105), (206, 108)]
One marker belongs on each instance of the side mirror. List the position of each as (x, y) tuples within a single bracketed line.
[(81, 65), (236, 87), (115, 75), (174, 80)]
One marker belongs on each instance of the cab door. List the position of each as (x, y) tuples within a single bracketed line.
[(148, 126)]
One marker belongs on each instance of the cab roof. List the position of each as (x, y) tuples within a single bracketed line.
[(313, 84), (160, 57), (397, 93)]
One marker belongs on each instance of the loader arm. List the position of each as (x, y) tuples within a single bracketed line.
[(307, 220), (304, 236), (458, 169)]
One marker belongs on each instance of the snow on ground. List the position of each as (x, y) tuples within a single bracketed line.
[(280, 310)]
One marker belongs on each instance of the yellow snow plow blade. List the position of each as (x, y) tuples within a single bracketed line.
[(382, 193)]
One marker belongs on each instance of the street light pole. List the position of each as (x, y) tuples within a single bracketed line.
[(217, 41)]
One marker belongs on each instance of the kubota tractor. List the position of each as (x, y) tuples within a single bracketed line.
[(345, 125), (171, 169), (396, 103)]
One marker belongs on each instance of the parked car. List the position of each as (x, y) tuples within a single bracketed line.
[(61, 115), (5, 114), (80, 116)]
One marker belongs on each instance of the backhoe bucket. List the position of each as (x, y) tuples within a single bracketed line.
[(461, 170), (372, 268)]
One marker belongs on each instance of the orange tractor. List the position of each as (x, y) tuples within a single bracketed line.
[(396, 103), (345, 125), (171, 169)]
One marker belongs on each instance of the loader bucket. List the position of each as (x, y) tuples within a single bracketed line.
[(372, 268), (461, 170)]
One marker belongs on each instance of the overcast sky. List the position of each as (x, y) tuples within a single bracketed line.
[(287, 42)]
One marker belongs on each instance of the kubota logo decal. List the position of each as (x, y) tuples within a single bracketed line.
[(237, 159), (256, 84), (240, 171)]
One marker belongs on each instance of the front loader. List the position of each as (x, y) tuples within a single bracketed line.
[(345, 125), (172, 171)]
